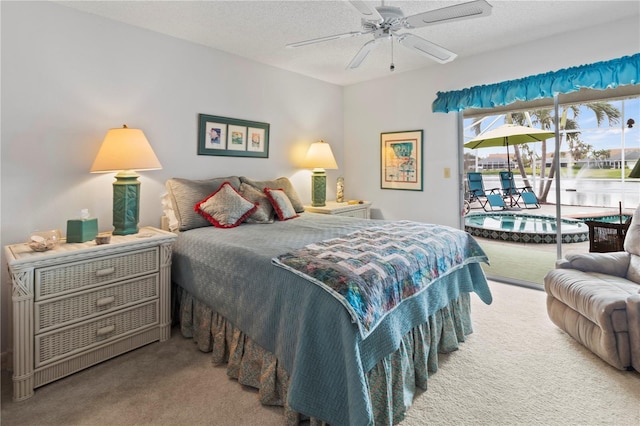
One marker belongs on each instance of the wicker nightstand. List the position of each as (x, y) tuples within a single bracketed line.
[(343, 209), (82, 303)]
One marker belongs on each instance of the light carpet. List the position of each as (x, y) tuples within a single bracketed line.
[(517, 368)]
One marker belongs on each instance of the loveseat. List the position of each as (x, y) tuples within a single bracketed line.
[(595, 298)]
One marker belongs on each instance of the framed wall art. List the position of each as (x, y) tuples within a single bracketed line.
[(232, 137), (401, 160)]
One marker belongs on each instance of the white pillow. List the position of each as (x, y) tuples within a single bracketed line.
[(169, 213)]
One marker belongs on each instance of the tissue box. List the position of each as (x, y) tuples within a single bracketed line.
[(81, 230)]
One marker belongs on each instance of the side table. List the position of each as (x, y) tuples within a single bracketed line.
[(362, 210), (79, 304)]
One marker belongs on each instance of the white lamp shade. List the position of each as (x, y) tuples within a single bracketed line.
[(320, 156), (125, 149)]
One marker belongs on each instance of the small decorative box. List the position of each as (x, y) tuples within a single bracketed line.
[(81, 230)]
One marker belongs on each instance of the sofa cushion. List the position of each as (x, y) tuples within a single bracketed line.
[(614, 263)]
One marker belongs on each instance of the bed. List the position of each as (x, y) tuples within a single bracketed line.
[(270, 296)]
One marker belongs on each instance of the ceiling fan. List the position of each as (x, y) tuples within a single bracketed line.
[(385, 22)]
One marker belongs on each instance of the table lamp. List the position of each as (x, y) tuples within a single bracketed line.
[(125, 150), (319, 157)]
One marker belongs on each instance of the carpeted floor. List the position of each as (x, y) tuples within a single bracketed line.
[(517, 368)]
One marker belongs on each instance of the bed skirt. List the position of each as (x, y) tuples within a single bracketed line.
[(392, 382)]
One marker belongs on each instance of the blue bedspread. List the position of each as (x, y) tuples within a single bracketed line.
[(372, 271), (309, 331)]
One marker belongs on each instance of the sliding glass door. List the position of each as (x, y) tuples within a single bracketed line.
[(587, 176)]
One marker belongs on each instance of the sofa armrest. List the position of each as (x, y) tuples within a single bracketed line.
[(563, 264), (615, 263), (633, 316)]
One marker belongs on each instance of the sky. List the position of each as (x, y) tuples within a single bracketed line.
[(604, 137)]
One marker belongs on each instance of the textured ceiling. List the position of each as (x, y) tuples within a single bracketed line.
[(259, 30)]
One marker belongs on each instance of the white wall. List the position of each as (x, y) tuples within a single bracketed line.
[(68, 77), (403, 102)]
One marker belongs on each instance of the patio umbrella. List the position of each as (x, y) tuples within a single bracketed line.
[(508, 134)]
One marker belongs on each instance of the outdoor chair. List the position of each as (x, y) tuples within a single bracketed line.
[(522, 194), (606, 237), (478, 193), (495, 202)]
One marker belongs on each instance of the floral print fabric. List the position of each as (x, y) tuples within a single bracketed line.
[(392, 382), (372, 271)]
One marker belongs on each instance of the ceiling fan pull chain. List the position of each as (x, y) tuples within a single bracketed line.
[(391, 67)]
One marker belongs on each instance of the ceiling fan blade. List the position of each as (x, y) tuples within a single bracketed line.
[(370, 13), (426, 48), (363, 53), (458, 12), (327, 38)]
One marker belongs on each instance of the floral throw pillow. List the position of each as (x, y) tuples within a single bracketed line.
[(225, 208), (281, 204)]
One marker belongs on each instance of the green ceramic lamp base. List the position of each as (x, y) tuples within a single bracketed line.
[(126, 203), (318, 188)]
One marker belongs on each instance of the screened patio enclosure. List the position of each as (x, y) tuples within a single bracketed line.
[(581, 172)]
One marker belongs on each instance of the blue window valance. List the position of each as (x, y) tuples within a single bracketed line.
[(599, 76)]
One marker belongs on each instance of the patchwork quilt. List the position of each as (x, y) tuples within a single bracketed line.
[(371, 271)]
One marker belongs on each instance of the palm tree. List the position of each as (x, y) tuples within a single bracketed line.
[(577, 148), (599, 155)]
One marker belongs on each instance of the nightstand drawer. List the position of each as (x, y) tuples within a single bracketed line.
[(57, 280), (68, 341), (83, 305)]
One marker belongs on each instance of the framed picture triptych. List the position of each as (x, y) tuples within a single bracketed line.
[(232, 137)]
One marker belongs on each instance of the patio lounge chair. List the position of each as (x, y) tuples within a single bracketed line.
[(495, 202), (524, 194), (479, 194)]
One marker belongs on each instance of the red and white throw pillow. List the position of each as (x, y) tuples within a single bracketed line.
[(225, 208), (281, 204)]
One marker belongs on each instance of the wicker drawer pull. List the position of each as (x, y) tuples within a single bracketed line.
[(105, 271), (105, 330), (105, 301)]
